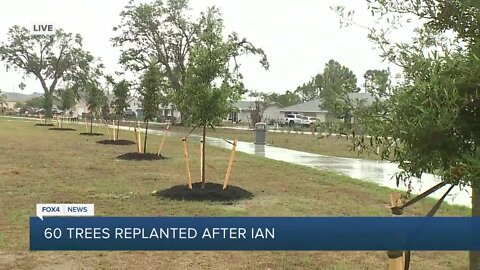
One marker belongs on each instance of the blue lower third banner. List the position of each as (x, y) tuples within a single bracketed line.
[(255, 233)]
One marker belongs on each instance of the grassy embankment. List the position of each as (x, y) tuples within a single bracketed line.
[(42, 166)]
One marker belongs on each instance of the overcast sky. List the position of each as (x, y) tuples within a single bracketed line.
[(298, 36)]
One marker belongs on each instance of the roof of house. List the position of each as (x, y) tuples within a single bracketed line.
[(309, 106), (245, 105), (20, 97), (313, 106), (368, 98)]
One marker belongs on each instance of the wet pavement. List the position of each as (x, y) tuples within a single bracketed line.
[(379, 172)]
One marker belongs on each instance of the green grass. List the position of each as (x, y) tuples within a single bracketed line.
[(42, 166)]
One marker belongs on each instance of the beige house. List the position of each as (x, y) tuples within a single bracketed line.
[(244, 109), (313, 108)]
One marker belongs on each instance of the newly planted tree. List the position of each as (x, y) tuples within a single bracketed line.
[(212, 85), (431, 120), (49, 58), (68, 99), (95, 99), (121, 92), (162, 33), (151, 95)]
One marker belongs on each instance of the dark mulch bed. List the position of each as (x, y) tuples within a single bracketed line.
[(116, 142), (44, 125), (91, 134), (62, 129), (212, 192), (136, 156)]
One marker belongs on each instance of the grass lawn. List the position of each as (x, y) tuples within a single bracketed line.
[(330, 146), (42, 166)]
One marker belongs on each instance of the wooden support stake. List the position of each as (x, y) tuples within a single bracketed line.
[(230, 164), (108, 132), (201, 159), (187, 164), (139, 140), (136, 137), (114, 131), (396, 258), (86, 125), (163, 141)]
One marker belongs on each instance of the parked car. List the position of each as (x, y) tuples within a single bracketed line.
[(129, 114), (308, 120), (294, 119)]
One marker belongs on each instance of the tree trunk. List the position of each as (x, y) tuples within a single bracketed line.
[(91, 123), (145, 141), (185, 119), (118, 128), (48, 104), (203, 156), (475, 255)]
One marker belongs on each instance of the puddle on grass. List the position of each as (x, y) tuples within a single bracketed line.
[(379, 172)]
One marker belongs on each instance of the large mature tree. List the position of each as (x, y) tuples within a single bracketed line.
[(287, 99), (311, 90), (121, 92), (338, 82), (213, 81), (49, 58), (433, 114), (377, 82), (151, 97), (162, 32)]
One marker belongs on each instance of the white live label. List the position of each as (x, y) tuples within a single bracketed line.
[(43, 29), (64, 210)]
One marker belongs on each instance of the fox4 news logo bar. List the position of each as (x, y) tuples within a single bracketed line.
[(65, 210)]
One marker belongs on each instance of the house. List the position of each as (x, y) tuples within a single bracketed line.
[(244, 109), (166, 112), (80, 108), (14, 98), (313, 108)]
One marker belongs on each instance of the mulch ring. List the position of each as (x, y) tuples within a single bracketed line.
[(138, 157), (44, 125), (90, 134), (116, 142), (62, 129), (211, 192)]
